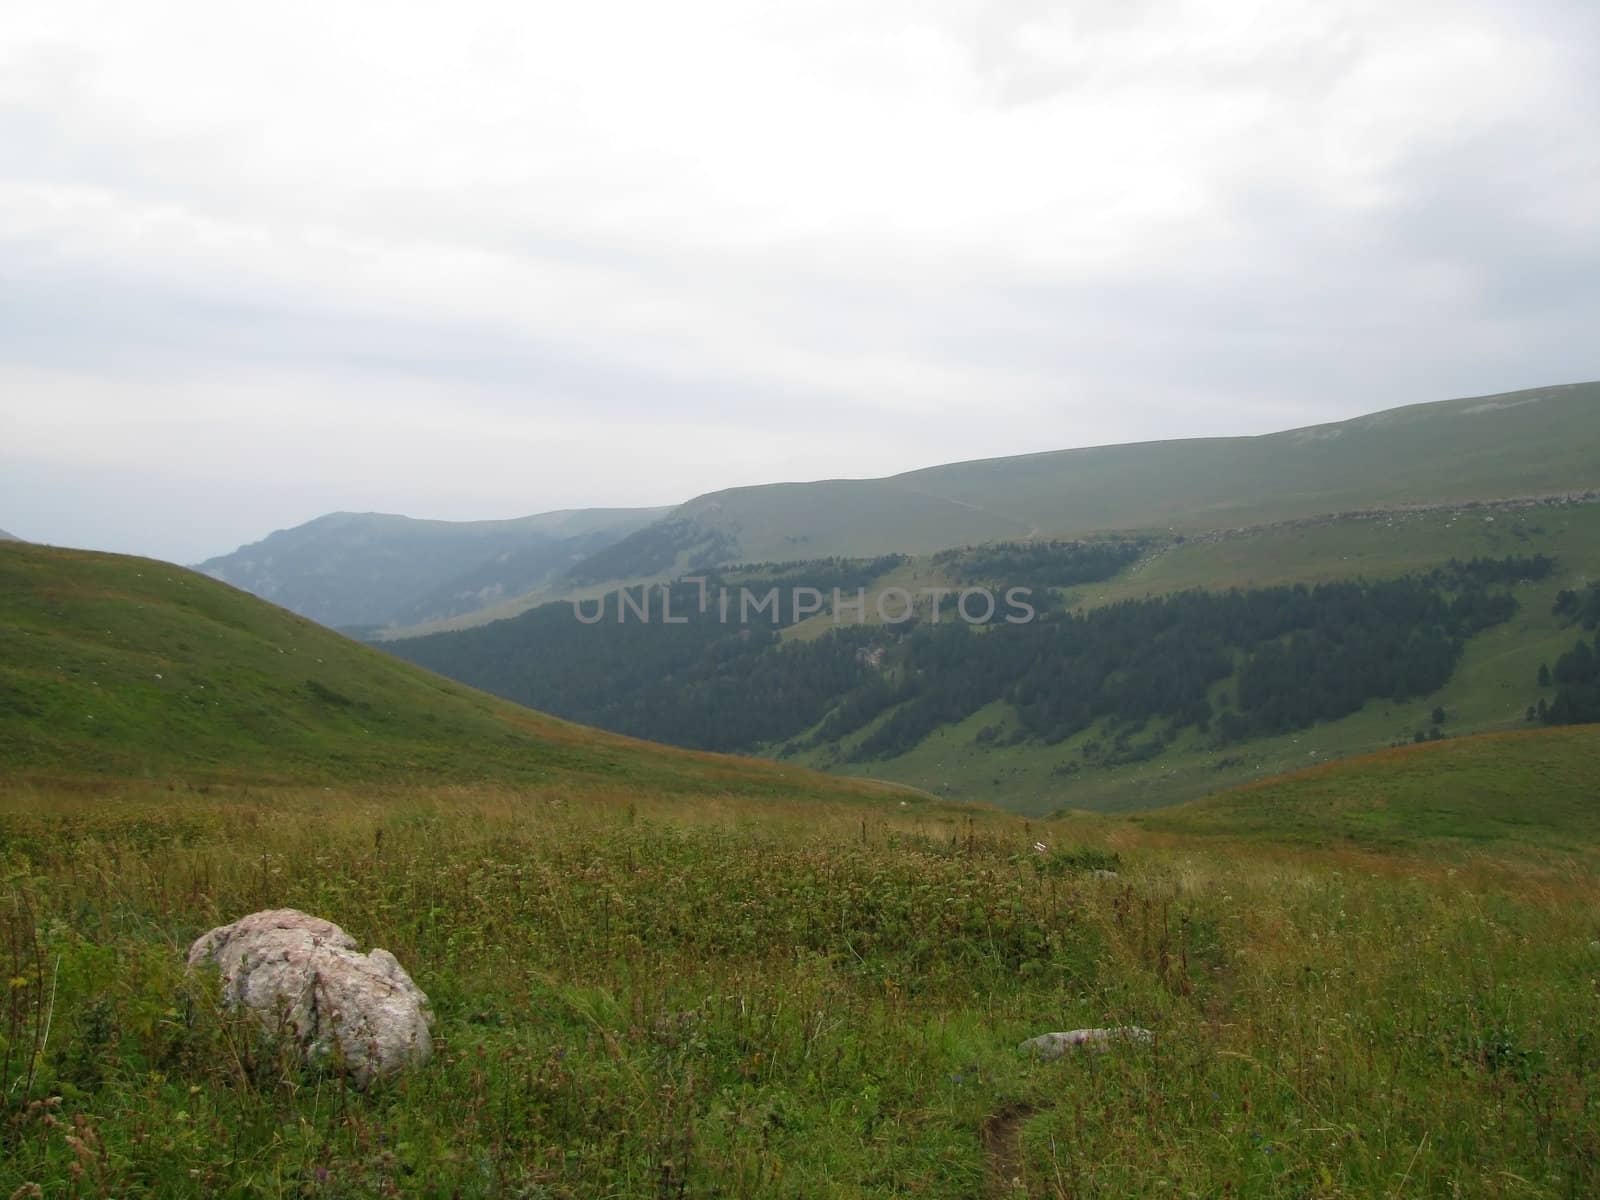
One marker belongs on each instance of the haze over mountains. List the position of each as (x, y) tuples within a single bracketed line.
[(368, 570), (375, 569)]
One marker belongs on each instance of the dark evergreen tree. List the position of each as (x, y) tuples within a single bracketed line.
[(1144, 670), (1577, 679)]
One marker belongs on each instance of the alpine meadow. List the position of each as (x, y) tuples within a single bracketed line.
[(666, 972), (973, 600)]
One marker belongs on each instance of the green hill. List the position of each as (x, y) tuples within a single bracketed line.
[(677, 987), (1541, 441), (127, 667), (1536, 788)]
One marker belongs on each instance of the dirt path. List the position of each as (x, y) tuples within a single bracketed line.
[(1002, 1144)]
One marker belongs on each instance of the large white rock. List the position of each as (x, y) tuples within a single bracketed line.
[(306, 977)]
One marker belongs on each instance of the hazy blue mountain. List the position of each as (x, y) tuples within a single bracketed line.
[(377, 569)]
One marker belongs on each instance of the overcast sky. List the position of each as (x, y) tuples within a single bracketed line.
[(263, 261)]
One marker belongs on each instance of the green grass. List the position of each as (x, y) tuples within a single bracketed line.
[(1526, 443), (1535, 789), (667, 975), (1376, 545), (644, 997), (126, 667)]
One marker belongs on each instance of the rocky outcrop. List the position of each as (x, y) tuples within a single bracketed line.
[(1048, 1046), (307, 979)]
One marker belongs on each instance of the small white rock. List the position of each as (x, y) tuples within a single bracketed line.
[(1049, 1046)]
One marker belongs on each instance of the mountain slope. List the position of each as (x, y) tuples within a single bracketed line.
[(375, 569), (1139, 699), (8, 537), (398, 578), (1535, 788), (1542, 441), (125, 666)]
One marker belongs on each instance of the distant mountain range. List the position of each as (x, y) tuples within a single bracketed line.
[(8, 537), (409, 576), (366, 570)]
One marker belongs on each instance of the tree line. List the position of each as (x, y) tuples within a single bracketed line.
[(1041, 564), (1232, 665), (1576, 677), (1296, 655)]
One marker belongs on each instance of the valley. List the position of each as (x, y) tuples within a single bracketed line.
[(394, 577), (702, 686), (651, 971), (802, 601), (1256, 814)]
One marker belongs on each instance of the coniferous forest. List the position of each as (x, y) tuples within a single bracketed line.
[(1576, 677), (666, 664)]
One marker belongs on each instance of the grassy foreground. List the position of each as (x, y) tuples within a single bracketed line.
[(662, 974), (636, 996)]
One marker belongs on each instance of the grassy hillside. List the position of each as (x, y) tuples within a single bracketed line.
[(719, 685), (126, 667), (1489, 691), (658, 974), (1544, 441), (1525, 443), (1377, 544), (1537, 788)]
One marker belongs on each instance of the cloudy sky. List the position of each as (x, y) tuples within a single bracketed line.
[(260, 262)]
